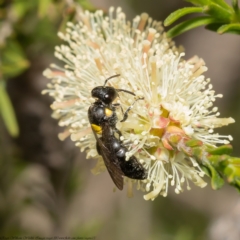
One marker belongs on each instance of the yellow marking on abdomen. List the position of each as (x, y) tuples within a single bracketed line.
[(97, 129), (108, 112)]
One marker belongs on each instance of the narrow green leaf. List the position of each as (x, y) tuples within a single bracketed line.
[(216, 179), (180, 13), (234, 161), (206, 170), (20, 8), (229, 28), (222, 3), (87, 5), (194, 143), (198, 152), (236, 184), (225, 149), (214, 26), (66, 18), (7, 112), (230, 167), (43, 6), (218, 161), (13, 59), (228, 171), (232, 172), (198, 2), (235, 5), (205, 3), (218, 12), (188, 25)]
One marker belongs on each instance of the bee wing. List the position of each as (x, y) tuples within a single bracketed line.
[(110, 163)]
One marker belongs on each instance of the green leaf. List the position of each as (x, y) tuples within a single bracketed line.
[(216, 179), (235, 5), (218, 12), (87, 5), (232, 170), (202, 3), (198, 2), (229, 28), (235, 161), (7, 112), (236, 183), (214, 26), (206, 170), (225, 149), (188, 25), (20, 8), (13, 59), (43, 6), (221, 3), (194, 143), (218, 161), (66, 18), (180, 13), (198, 153)]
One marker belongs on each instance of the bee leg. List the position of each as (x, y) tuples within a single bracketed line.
[(118, 132), (119, 105), (125, 115)]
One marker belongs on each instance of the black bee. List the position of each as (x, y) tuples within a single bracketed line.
[(103, 119)]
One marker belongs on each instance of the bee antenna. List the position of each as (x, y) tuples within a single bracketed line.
[(117, 75)]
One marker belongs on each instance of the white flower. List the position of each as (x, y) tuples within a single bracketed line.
[(178, 100)]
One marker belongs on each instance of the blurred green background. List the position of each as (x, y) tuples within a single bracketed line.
[(46, 188)]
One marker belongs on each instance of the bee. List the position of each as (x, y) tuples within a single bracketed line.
[(103, 119)]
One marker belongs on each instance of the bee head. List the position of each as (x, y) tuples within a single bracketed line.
[(105, 94)]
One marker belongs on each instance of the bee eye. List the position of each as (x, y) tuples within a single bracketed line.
[(106, 96)]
